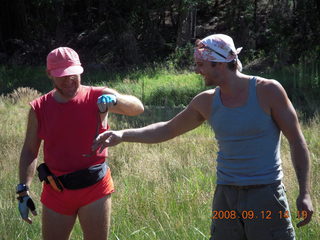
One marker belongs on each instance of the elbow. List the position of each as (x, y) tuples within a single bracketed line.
[(138, 109), (28, 155)]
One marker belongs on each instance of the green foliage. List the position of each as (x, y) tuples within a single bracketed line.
[(163, 191), (302, 83), (158, 86), (123, 34), (170, 96), (19, 76), (165, 86), (181, 58)]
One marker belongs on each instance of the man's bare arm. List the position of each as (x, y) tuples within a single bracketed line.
[(126, 104), (30, 149), (286, 118), (186, 120)]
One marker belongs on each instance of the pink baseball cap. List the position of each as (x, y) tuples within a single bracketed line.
[(63, 61)]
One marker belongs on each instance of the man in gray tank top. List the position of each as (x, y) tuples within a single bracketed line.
[(247, 115)]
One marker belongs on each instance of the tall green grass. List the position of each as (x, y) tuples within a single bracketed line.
[(302, 83), (23, 76), (160, 86), (163, 191), (164, 86)]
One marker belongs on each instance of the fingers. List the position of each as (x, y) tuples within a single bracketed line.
[(306, 215), (305, 209), (96, 143), (25, 205), (106, 101), (99, 141), (28, 220), (103, 146), (106, 139), (105, 143), (34, 213), (30, 204), (102, 107), (101, 137)]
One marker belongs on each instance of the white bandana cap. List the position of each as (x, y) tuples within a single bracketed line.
[(217, 48)]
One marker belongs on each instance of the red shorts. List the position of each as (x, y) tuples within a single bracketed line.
[(68, 202)]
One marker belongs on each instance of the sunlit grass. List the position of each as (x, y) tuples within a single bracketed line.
[(163, 191)]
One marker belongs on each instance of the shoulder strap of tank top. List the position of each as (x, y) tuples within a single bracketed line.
[(252, 90), (216, 101)]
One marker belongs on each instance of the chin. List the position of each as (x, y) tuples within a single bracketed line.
[(71, 94), (208, 83), (67, 94)]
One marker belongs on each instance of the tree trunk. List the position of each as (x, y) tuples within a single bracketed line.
[(59, 9), (186, 27)]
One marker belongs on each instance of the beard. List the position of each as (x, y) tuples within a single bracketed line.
[(208, 83), (67, 94)]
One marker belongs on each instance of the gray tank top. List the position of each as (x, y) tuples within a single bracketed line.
[(248, 141)]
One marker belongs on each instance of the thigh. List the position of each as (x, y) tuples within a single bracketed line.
[(56, 225), (95, 219), (225, 222), (272, 215)]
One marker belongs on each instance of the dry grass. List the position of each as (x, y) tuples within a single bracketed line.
[(163, 191)]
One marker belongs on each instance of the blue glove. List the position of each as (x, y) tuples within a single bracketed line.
[(105, 101), (26, 204)]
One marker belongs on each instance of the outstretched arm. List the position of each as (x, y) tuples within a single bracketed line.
[(286, 118), (186, 120), (126, 104)]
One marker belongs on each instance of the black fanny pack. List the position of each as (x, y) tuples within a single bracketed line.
[(75, 180)]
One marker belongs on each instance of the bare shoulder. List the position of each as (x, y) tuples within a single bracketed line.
[(204, 96), (203, 102), (272, 96), (269, 86), (270, 89)]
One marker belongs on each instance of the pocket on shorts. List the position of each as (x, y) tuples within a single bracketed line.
[(279, 196), (283, 234)]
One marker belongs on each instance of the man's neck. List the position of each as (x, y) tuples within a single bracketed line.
[(233, 84), (62, 98)]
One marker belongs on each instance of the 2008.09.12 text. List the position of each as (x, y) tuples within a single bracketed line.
[(250, 214)]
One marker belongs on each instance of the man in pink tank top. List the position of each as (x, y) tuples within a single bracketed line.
[(77, 181)]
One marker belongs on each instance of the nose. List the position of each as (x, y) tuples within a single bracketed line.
[(68, 80)]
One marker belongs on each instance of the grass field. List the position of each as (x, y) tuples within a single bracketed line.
[(163, 191)]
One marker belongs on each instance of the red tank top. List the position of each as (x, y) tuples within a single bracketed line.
[(68, 130)]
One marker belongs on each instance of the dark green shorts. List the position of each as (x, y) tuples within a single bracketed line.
[(250, 214)]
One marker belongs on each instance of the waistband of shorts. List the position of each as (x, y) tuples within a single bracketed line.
[(85, 177), (247, 187)]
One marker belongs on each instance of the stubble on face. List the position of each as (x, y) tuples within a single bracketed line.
[(208, 72), (69, 91)]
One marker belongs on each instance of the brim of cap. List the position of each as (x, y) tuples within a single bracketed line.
[(61, 72)]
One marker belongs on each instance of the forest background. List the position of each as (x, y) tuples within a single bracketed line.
[(111, 33), (117, 35), (122, 36)]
